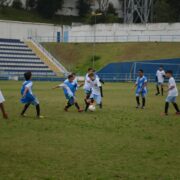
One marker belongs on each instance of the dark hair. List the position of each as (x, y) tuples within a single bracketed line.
[(73, 74), (161, 66), (169, 72), (70, 76), (140, 70), (27, 75), (91, 75), (90, 69)]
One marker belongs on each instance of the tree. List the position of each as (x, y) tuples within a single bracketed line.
[(17, 4), (111, 9), (5, 3), (48, 8), (31, 4), (103, 5), (84, 7)]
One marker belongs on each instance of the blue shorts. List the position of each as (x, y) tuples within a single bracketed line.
[(33, 101), (96, 98), (171, 99), (71, 100), (143, 94)]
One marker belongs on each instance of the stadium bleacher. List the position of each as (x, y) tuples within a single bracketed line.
[(127, 71), (16, 58)]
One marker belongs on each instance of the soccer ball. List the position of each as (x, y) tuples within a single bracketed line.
[(92, 108)]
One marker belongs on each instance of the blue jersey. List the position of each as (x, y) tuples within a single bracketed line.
[(29, 97), (72, 87), (141, 85)]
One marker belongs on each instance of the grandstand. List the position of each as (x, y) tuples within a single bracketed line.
[(16, 57), (127, 71)]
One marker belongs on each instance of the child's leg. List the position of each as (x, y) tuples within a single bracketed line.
[(143, 100), (137, 100), (5, 116), (176, 107), (166, 108), (157, 87), (25, 108), (38, 111), (162, 90)]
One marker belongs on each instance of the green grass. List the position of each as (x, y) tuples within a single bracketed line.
[(33, 16), (118, 142), (78, 57)]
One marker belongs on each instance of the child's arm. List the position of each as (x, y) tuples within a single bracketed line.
[(25, 92), (55, 87), (5, 116)]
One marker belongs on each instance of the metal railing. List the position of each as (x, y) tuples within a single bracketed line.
[(115, 38)]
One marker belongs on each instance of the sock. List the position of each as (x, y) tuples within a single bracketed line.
[(137, 100), (157, 87), (176, 107), (77, 106), (101, 89), (38, 110), (68, 105), (25, 109), (166, 107), (100, 105), (162, 91), (143, 101)]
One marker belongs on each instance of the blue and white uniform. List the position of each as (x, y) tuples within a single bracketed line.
[(141, 86), (69, 89), (173, 93), (29, 98), (87, 85), (1, 98), (96, 92)]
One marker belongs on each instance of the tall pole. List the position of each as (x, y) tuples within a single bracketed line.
[(94, 43)]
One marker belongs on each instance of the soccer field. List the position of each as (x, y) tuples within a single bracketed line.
[(117, 142)]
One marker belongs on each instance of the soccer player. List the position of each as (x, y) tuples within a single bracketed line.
[(172, 93), (2, 100), (160, 75), (70, 87), (28, 98), (141, 89), (96, 95)]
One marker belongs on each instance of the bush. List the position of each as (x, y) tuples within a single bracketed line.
[(17, 4)]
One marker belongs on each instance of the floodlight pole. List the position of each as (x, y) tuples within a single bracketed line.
[(94, 39)]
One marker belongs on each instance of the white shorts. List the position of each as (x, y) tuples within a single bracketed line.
[(96, 98), (1, 98)]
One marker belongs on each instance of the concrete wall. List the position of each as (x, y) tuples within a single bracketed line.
[(21, 30), (87, 33)]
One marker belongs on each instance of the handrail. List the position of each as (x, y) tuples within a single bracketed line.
[(51, 58)]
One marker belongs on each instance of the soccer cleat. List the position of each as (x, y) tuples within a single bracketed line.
[(138, 106), (40, 117), (65, 109), (80, 110), (143, 107), (24, 115), (157, 94), (178, 113)]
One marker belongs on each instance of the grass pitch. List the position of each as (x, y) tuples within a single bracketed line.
[(118, 142)]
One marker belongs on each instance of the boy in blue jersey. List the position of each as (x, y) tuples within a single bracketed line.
[(70, 87), (141, 89), (28, 98)]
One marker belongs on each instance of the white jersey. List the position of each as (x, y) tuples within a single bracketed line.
[(1, 98), (172, 83), (95, 86), (160, 76), (87, 85)]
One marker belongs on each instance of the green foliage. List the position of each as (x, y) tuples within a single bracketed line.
[(48, 8), (84, 7), (17, 4)]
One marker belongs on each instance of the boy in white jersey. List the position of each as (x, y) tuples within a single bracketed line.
[(172, 93), (2, 100), (96, 95), (160, 75)]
